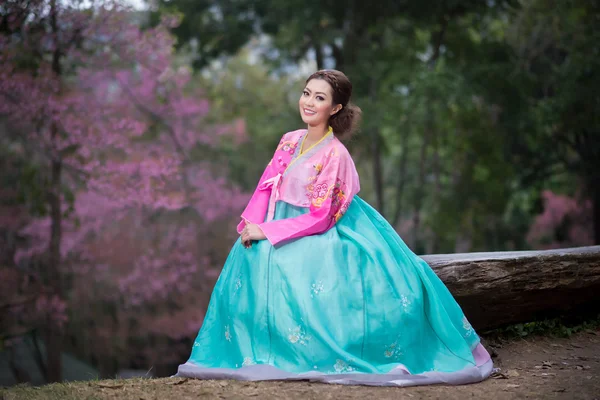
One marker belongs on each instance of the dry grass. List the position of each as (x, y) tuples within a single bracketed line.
[(536, 368)]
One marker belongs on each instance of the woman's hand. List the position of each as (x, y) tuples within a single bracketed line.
[(252, 232)]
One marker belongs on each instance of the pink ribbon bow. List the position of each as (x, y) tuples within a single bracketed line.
[(273, 184)]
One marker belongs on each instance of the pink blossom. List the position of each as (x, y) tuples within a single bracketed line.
[(560, 210), (141, 231)]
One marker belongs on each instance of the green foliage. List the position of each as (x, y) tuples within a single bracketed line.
[(558, 327), (214, 27), (470, 108), (267, 104), (26, 178), (28, 181)]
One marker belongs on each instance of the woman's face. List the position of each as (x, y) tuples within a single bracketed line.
[(316, 103)]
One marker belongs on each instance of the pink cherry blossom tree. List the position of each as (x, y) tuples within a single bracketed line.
[(132, 195), (565, 222)]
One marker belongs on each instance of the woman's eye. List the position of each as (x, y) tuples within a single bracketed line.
[(305, 93), (320, 98)]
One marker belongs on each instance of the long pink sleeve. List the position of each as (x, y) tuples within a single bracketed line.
[(256, 209), (332, 192)]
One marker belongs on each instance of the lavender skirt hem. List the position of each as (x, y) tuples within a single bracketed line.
[(399, 376), (392, 378)]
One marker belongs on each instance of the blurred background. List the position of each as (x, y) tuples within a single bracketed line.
[(133, 133)]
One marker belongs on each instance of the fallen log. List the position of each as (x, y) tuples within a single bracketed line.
[(501, 288)]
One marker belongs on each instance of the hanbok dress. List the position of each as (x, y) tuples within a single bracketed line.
[(333, 294)]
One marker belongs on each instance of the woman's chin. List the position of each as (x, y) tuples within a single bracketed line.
[(311, 121)]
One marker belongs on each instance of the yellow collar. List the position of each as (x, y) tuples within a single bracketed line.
[(329, 132)]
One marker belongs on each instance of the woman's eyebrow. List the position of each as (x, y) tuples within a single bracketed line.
[(308, 90)]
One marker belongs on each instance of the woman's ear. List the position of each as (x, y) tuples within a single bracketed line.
[(336, 109)]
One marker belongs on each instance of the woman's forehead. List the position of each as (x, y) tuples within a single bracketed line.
[(319, 85)]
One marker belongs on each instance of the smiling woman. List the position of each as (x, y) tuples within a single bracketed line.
[(325, 101), (320, 286)]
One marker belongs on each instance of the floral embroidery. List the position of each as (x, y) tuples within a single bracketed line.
[(316, 288), (227, 333), (341, 366), (318, 193), (298, 335), (341, 212), (393, 351), (287, 146), (238, 284), (405, 302), (467, 327), (318, 168), (281, 162), (333, 152), (248, 361), (338, 199)]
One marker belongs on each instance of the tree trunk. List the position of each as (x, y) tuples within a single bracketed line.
[(376, 153), (38, 355), (318, 54), (20, 374), (401, 178), (54, 337), (53, 334), (377, 169), (437, 188), (595, 194), (496, 289), (420, 191)]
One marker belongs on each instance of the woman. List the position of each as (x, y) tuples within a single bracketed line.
[(320, 286)]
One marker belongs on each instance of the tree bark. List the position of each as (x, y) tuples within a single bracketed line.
[(318, 54), (377, 169), (401, 178), (420, 191), (38, 355), (376, 153), (437, 188), (54, 337), (497, 289), (594, 189)]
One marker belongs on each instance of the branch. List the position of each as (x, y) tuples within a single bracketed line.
[(37, 355), (444, 20), (318, 53), (337, 53), (154, 116), (17, 302), (401, 178)]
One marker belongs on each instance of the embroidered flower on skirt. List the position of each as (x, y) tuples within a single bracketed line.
[(227, 333), (467, 327), (298, 335), (393, 351), (248, 361), (316, 288), (341, 366)]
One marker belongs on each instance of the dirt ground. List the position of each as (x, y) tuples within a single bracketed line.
[(532, 368)]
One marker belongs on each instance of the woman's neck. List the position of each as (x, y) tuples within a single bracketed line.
[(316, 132)]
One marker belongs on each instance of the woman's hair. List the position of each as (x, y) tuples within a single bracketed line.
[(345, 121)]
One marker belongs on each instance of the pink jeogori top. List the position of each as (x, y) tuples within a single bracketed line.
[(322, 178)]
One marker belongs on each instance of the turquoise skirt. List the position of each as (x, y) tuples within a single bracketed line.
[(353, 305)]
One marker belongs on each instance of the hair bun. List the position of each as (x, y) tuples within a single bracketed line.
[(345, 122)]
